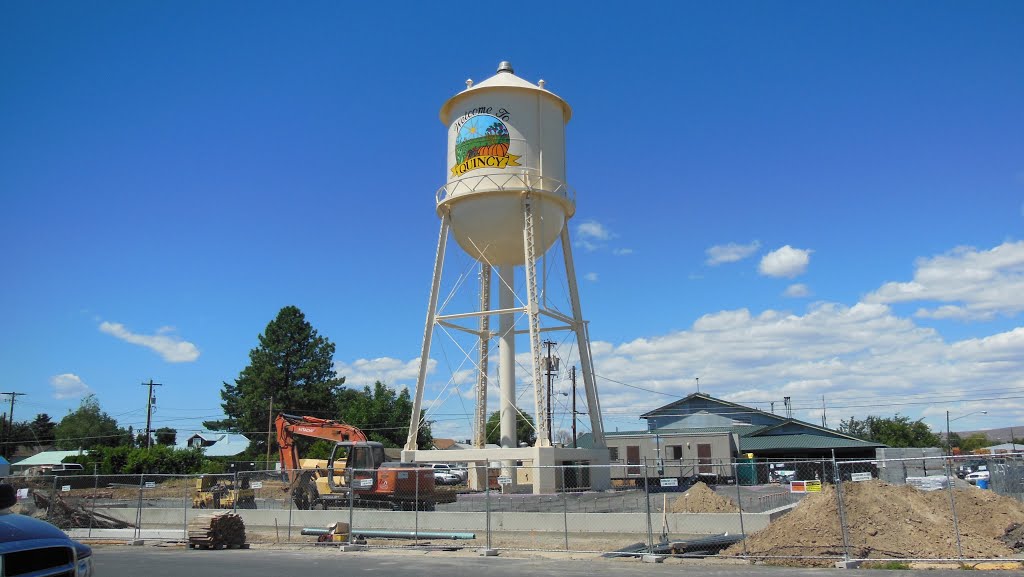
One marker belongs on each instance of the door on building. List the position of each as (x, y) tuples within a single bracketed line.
[(633, 459), (703, 458)]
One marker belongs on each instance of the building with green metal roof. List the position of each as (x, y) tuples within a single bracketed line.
[(700, 435)]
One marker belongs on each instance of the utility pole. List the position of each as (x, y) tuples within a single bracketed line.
[(149, 412), (10, 421), (698, 384), (824, 421), (551, 366), (574, 406)]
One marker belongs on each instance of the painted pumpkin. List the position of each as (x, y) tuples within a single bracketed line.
[(499, 149)]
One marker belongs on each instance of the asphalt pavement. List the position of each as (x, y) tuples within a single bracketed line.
[(151, 561)]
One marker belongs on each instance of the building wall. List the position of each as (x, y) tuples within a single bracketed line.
[(671, 455)]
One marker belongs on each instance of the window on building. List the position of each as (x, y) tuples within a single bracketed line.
[(675, 452), (613, 453)]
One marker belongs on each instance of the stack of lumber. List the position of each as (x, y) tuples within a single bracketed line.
[(216, 531), (72, 515)]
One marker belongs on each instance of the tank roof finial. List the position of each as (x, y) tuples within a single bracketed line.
[(505, 66)]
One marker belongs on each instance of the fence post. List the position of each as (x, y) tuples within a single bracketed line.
[(290, 495), (53, 499), (95, 490), (565, 509), (416, 512), (487, 504), (234, 484), (351, 507), (185, 506), (952, 510), (647, 500), (838, 481), (138, 509), (739, 503)]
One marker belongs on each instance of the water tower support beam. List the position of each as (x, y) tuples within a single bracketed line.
[(480, 428), (583, 344), (428, 333), (533, 314), (506, 358)]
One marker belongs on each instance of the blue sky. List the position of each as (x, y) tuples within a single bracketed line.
[(783, 199)]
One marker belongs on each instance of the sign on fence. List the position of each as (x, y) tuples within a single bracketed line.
[(65, 488), (860, 476), (256, 484), (505, 480), (805, 486), (150, 485), (670, 482)]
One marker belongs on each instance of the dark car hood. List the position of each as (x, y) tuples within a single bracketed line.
[(14, 527)]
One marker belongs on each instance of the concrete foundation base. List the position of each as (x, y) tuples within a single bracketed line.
[(347, 548), (848, 564), (653, 559), (485, 552)]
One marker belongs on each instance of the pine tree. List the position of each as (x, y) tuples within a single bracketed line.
[(294, 365)]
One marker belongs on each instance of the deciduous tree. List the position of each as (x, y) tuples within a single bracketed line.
[(382, 413), (88, 426), (896, 431), (526, 432)]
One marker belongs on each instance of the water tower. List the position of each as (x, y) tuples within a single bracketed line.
[(506, 203)]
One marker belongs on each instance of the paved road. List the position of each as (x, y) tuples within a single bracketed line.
[(122, 561)]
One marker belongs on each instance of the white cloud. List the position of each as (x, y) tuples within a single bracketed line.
[(860, 357), (172, 348), (68, 386), (622, 251), (592, 235), (731, 252), (866, 358), (975, 284), (797, 290), (590, 276), (390, 371), (785, 262)]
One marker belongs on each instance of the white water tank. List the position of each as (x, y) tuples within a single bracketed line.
[(506, 136)]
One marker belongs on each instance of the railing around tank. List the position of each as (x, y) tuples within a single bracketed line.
[(517, 182)]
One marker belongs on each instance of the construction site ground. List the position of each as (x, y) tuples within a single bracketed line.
[(883, 521)]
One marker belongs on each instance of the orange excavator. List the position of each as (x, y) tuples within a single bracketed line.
[(355, 472)]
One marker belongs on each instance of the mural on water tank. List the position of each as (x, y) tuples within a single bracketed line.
[(482, 142)]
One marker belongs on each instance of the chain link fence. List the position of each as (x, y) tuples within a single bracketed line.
[(807, 512)]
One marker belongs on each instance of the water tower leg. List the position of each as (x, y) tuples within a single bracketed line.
[(583, 344), (507, 366), (428, 333), (533, 315), (480, 428)]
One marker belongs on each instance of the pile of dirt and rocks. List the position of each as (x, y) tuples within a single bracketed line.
[(701, 499), (889, 522)]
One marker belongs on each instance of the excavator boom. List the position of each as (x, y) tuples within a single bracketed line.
[(290, 425)]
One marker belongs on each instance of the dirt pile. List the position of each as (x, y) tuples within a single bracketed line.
[(889, 521), (701, 499)]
